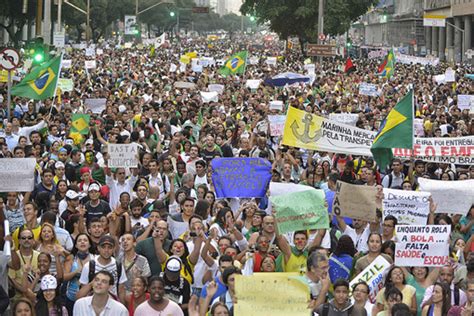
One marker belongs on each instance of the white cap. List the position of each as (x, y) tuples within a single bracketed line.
[(71, 194)]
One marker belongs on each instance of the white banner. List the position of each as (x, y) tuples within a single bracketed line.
[(95, 105), (345, 118), (271, 61), (422, 245), (368, 89), (373, 275), (451, 196), (409, 207), (277, 124), (123, 155), (457, 150), (17, 174), (465, 101), (407, 59), (381, 53)]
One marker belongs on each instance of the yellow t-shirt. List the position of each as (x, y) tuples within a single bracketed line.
[(18, 274), (408, 293), (16, 233), (184, 273), (295, 264)]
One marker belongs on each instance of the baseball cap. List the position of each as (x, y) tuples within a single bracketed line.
[(48, 282), (93, 187), (107, 239), (89, 142), (71, 195), (59, 164), (173, 264)]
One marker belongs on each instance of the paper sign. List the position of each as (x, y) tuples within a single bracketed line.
[(90, 51), (219, 88), (276, 105), (422, 246), (95, 105), (409, 207), (277, 124), (173, 67), (450, 75), (271, 61), (90, 64), (300, 211), (465, 101), (66, 85), (207, 97), (241, 177), (345, 118), (289, 295), (418, 127), (451, 196), (17, 174), (253, 60), (99, 51), (253, 84), (123, 155), (184, 85), (373, 275), (66, 63), (368, 89), (355, 201)]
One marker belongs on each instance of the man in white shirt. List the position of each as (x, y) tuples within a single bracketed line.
[(100, 303), (120, 184)]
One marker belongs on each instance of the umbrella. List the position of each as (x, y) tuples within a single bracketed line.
[(287, 78)]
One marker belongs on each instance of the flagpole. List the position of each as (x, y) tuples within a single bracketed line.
[(57, 82), (413, 118)]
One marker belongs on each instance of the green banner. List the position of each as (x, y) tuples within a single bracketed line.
[(301, 211)]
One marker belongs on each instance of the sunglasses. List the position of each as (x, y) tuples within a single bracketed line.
[(27, 238)]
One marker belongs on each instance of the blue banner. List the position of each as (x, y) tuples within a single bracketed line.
[(241, 177)]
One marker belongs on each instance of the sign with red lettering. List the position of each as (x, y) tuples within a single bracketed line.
[(422, 245)]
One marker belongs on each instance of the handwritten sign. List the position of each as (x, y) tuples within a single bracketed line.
[(123, 155), (17, 174), (289, 295), (373, 275), (66, 85), (355, 201), (443, 193), (422, 245), (277, 124), (409, 207), (241, 177), (465, 101)]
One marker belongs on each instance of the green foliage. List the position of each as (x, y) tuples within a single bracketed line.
[(300, 17)]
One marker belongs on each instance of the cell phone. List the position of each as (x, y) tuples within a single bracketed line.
[(192, 234)]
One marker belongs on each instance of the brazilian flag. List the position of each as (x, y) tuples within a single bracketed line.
[(396, 131), (80, 123), (41, 82), (235, 64)]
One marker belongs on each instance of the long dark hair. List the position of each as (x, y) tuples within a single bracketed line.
[(184, 257), (345, 245), (446, 296), (41, 306), (220, 218), (74, 248)]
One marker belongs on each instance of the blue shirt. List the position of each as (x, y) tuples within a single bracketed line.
[(221, 289)]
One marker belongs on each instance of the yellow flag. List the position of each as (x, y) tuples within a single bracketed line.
[(191, 55), (185, 59), (302, 129)]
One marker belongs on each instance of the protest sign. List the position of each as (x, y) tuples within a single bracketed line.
[(253, 60), (439, 79), (219, 88), (309, 131), (241, 177), (345, 118), (300, 211), (407, 59), (277, 124), (211, 96), (373, 275), (276, 105), (252, 84), (196, 67), (422, 245), (184, 85), (99, 51), (409, 207), (450, 75), (95, 105), (90, 64), (90, 51), (368, 89), (456, 150), (173, 67), (17, 174), (310, 68), (418, 127), (66, 63), (123, 155), (465, 101), (279, 188), (377, 54), (271, 61), (66, 85), (444, 193), (289, 294), (355, 201)]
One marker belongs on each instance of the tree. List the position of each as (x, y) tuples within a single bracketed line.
[(13, 11), (300, 17)]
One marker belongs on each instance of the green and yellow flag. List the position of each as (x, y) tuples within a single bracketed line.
[(80, 123), (396, 131), (235, 64), (387, 67), (41, 82)]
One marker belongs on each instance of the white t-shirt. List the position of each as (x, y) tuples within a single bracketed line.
[(360, 241), (111, 267), (172, 309)]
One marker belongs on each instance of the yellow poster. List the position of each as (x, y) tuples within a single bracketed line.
[(3, 76), (302, 129), (271, 294)]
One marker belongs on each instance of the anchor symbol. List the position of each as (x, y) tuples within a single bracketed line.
[(305, 137)]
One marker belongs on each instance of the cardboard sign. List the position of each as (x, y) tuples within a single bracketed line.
[(373, 275), (422, 246), (355, 201), (123, 155), (409, 207)]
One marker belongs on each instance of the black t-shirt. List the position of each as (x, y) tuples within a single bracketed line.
[(178, 291), (97, 211), (209, 155)]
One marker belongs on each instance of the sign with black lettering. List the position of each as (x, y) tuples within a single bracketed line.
[(123, 155)]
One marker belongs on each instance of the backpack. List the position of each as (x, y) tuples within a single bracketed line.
[(325, 311), (92, 271)]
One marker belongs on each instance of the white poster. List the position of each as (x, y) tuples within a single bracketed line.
[(130, 22), (271, 61), (345, 118), (450, 196), (422, 245), (253, 84), (17, 174), (409, 207), (90, 64), (368, 89), (219, 88), (276, 105), (66, 85), (66, 63), (95, 105), (465, 101), (277, 124), (418, 127), (207, 97), (450, 75), (373, 275), (123, 155)]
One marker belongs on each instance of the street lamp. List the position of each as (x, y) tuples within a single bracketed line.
[(172, 14)]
